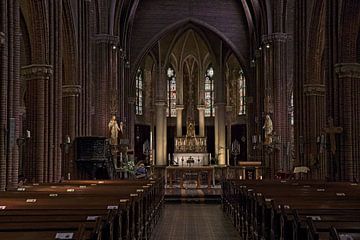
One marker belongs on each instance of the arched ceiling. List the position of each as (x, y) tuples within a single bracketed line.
[(234, 22)]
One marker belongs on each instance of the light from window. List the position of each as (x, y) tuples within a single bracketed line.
[(241, 93), (139, 92), (209, 93), (171, 93), (291, 110)]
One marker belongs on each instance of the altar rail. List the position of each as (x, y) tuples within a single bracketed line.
[(222, 172)]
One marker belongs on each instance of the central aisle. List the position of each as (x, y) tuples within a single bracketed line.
[(194, 222)]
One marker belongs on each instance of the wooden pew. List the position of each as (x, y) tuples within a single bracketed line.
[(141, 201), (264, 209)]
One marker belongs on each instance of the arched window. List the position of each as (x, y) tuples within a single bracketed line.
[(209, 93), (171, 93), (241, 93), (139, 92)]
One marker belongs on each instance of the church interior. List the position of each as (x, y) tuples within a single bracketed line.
[(165, 119)]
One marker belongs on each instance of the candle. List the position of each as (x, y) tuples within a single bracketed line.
[(68, 140), (254, 138), (28, 134)]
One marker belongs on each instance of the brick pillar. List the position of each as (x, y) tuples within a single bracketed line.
[(131, 123), (9, 93), (201, 109), (229, 118), (179, 110), (313, 127), (104, 81), (160, 133), (70, 94), (349, 79), (220, 145), (276, 83), (37, 77)]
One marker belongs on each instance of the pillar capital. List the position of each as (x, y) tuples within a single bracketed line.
[(274, 37), (348, 70), (314, 89), (219, 104), (2, 38), (71, 90), (201, 107), (160, 103), (106, 38), (179, 107), (37, 71)]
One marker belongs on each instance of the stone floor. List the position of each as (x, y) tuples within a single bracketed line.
[(194, 222)]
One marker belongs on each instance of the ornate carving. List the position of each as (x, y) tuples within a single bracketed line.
[(348, 70), (106, 38), (2, 38), (279, 37), (314, 89), (200, 107), (71, 90), (37, 71)]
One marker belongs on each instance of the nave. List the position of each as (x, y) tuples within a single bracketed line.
[(194, 221)]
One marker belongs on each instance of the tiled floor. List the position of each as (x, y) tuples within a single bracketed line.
[(194, 222)]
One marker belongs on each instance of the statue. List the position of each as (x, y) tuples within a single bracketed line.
[(268, 127), (331, 130), (114, 130), (190, 132)]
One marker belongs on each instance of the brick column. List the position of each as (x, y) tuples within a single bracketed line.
[(105, 84), (179, 110), (349, 78), (229, 119), (314, 125), (131, 122), (275, 82), (201, 109), (37, 77), (70, 94), (160, 133), (220, 145)]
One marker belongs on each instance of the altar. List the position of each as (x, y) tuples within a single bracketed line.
[(191, 159), (190, 150), (171, 173)]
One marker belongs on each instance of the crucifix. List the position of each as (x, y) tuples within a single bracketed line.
[(332, 130)]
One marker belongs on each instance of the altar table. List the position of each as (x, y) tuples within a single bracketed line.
[(170, 171)]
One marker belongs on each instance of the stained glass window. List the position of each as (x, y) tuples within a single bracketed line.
[(291, 109), (241, 93), (209, 93), (139, 92), (171, 93)]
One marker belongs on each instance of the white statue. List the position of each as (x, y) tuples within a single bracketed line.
[(268, 127), (114, 131)]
